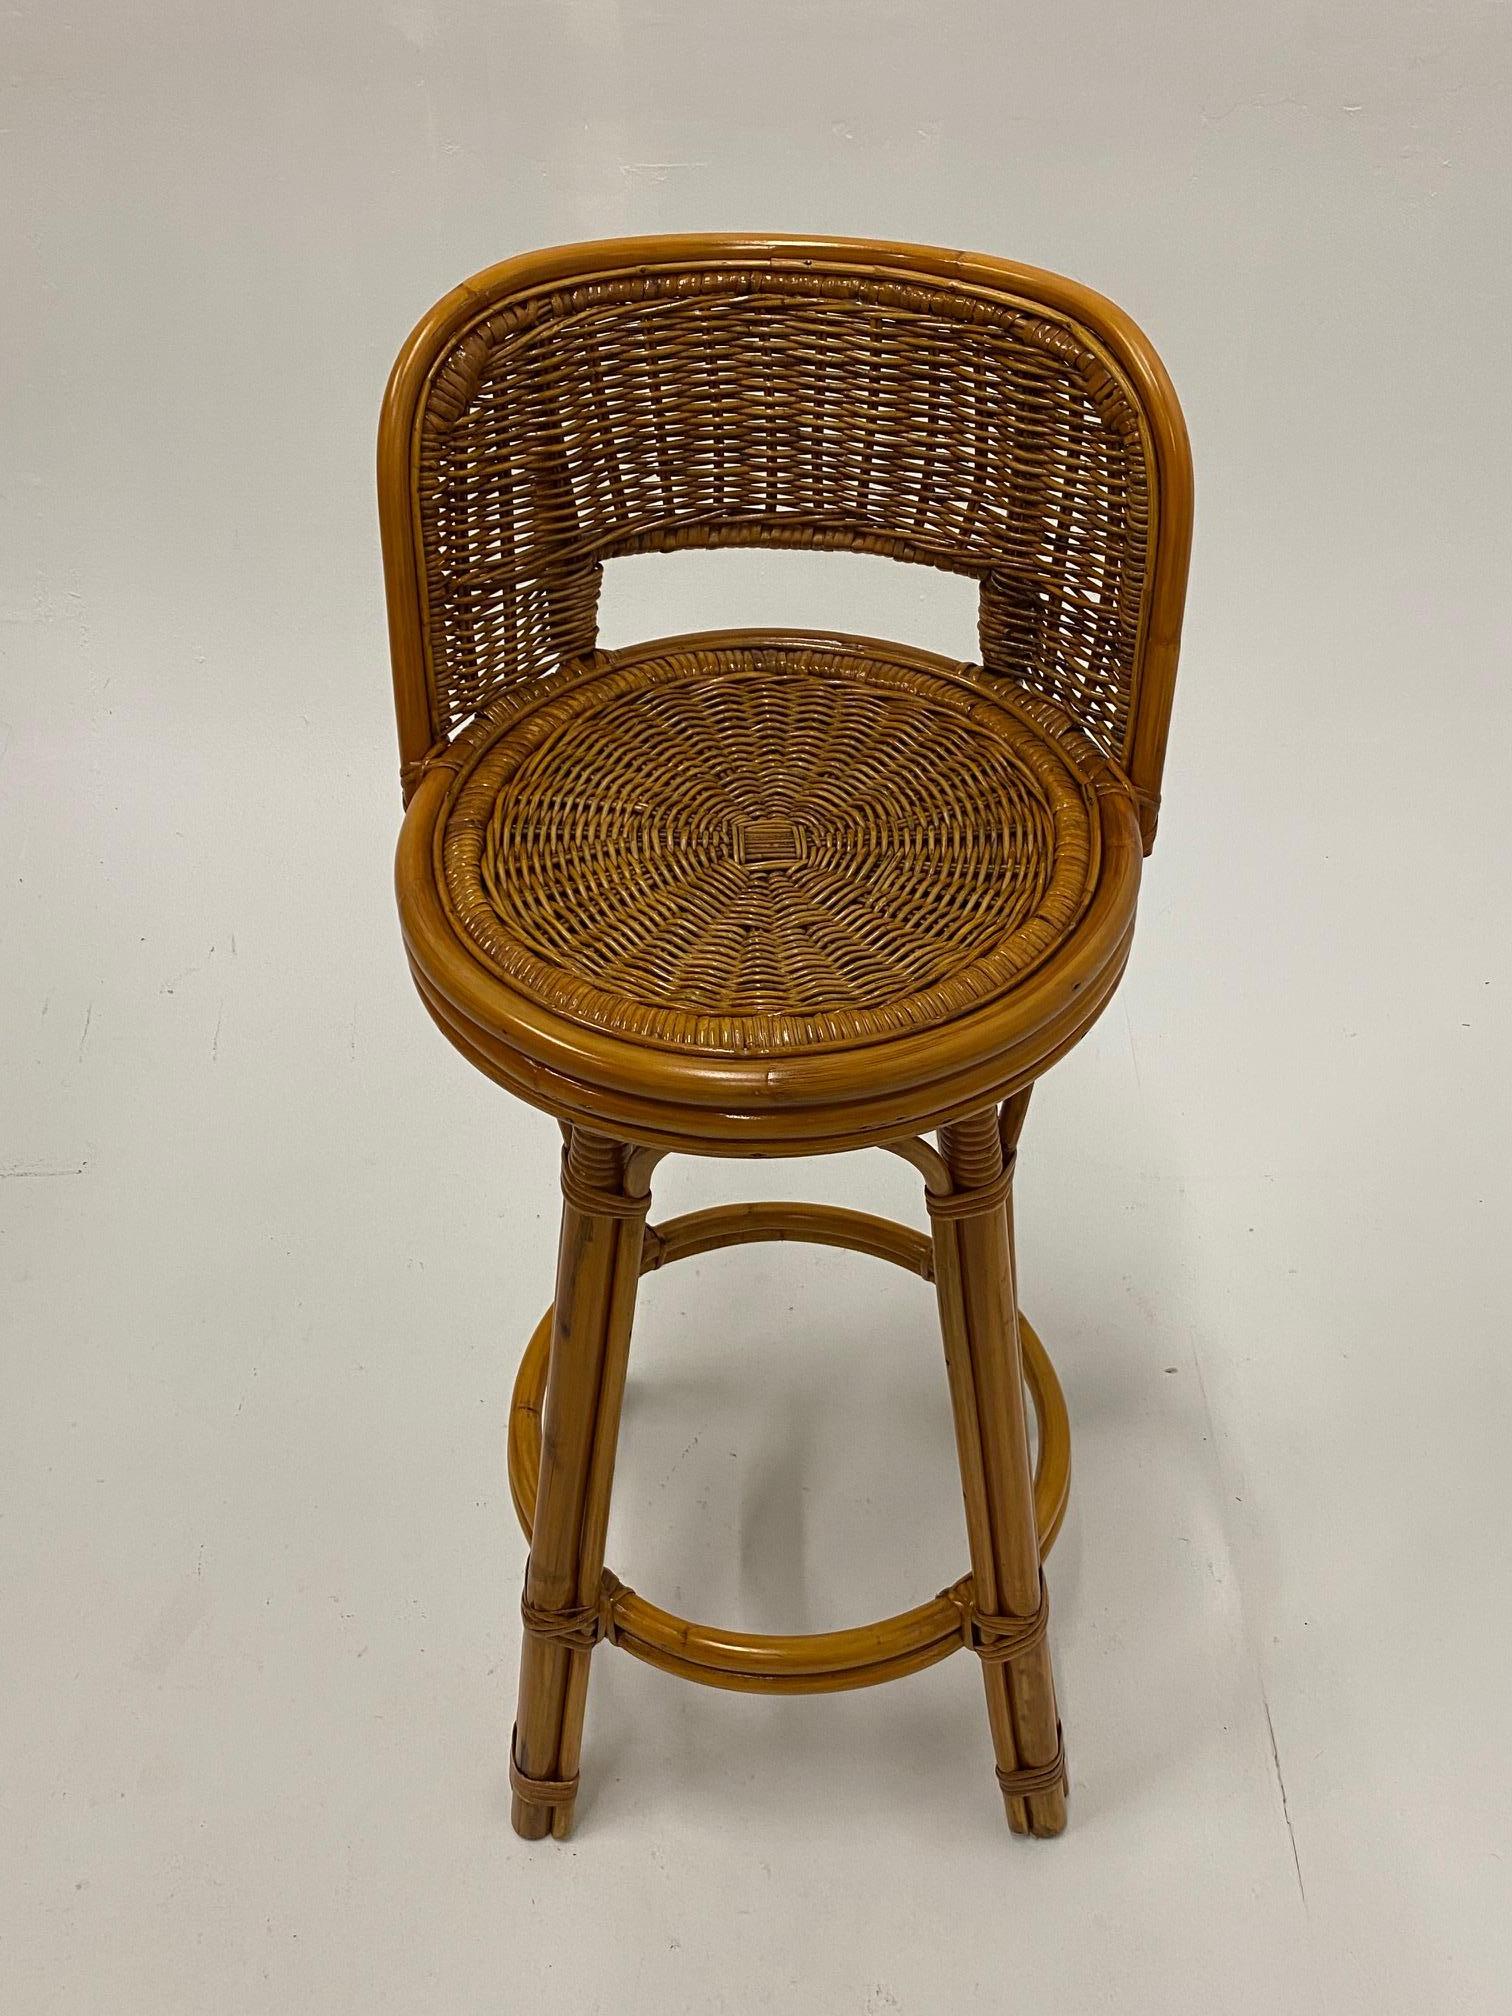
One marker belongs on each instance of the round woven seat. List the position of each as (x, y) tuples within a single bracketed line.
[(766, 848), (754, 847)]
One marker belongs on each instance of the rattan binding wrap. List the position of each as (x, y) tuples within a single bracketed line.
[(787, 407), (769, 849)]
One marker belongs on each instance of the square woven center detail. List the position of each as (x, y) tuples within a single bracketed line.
[(770, 843)]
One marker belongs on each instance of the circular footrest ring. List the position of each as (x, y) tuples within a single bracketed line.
[(818, 1662)]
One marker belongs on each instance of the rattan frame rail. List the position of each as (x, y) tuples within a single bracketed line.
[(782, 1663)]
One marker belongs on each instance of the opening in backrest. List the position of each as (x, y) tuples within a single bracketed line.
[(666, 594)]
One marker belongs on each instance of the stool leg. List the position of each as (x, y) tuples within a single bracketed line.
[(598, 1267), (974, 1273)]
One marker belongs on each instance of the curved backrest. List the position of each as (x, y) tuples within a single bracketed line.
[(646, 394)]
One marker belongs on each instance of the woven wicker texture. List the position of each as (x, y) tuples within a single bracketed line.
[(769, 848), (697, 407)]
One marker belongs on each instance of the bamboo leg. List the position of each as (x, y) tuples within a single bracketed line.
[(598, 1266), (974, 1273)]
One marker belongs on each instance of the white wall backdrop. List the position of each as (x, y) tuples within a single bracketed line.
[(268, 1250)]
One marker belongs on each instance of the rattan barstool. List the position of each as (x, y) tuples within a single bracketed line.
[(755, 893)]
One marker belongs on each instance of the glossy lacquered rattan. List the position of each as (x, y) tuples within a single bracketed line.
[(812, 1663), (779, 893), (506, 915)]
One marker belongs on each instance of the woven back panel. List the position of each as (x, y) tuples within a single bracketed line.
[(733, 407)]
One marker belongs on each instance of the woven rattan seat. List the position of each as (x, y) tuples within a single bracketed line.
[(779, 893), (762, 848)]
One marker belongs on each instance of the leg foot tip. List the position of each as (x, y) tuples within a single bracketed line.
[(1040, 1818), (533, 1821)]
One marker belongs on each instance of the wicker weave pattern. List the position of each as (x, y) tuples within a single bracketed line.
[(784, 407), (768, 849)]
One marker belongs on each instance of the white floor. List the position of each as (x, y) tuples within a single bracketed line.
[(269, 1251)]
